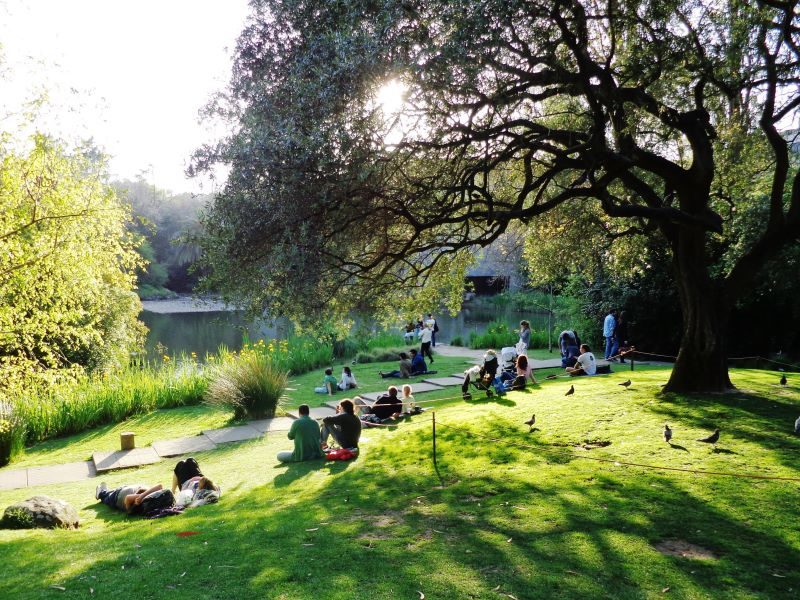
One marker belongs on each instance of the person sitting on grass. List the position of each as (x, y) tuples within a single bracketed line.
[(305, 433), (187, 476), (387, 406), (409, 404), (571, 354), (348, 381), (328, 383), (344, 426), (405, 368), (517, 379), (586, 364), (127, 497)]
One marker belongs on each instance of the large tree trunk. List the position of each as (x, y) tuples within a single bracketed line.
[(702, 364)]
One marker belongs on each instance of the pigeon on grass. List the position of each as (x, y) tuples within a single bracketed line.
[(570, 391), (531, 422), (667, 434), (712, 439), (625, 384)]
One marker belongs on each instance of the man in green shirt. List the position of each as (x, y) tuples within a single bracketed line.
[(305, 433)]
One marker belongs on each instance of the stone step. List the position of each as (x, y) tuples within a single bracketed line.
[(445, 381), (316, 412), (232, 434), (185, 445), (275, 424), (123, 459)]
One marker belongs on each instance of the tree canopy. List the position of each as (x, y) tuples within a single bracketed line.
[(67, 263), (656, 119)]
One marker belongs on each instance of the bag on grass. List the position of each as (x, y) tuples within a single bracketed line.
[(157, 501), (340, 454)]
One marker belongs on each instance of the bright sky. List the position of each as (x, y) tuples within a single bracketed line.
[(131, 75)]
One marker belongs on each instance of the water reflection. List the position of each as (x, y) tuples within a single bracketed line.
[(204, 332)]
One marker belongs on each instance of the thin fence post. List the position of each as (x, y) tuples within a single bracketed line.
[(633, 359), (433, 420)]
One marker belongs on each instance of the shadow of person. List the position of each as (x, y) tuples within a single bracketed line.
[(296, 470)]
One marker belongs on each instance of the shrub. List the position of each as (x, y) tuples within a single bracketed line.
[(498, 335), (457, 341), (380, 355), (252, 385)]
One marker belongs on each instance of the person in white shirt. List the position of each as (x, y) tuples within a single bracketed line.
[(348, 381), (431, 322), (425, 337), (586, 364)]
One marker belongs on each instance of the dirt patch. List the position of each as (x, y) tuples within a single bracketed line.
[(592, 444), (684, 549)]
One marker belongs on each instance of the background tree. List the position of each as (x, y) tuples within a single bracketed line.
[(659, 118), (67, 262)]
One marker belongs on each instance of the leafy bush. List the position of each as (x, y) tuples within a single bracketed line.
[(251, 384), (457, 341), (498, 335)]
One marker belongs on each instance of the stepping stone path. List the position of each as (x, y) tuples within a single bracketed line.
[(444, 381), (316, 412), (121, 459), (185, 445), (70, 472), (276, 424), (232, 434)]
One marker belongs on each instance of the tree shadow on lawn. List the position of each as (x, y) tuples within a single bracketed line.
[(751, 417), (384, 529)]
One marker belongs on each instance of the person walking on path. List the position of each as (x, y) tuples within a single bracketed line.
[(425, 337), (524, 337), (431, 322), (305, 433), (609, 325)]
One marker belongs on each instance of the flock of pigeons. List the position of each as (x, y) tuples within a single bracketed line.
[(711, 439)]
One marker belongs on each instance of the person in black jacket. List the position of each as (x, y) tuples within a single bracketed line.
[(388, 405), (344, 426)]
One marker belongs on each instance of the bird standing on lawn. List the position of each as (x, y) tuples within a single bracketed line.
[(625, 384), (570, 391), (530, 423), (783, 379), (667, 434), (712, 439)]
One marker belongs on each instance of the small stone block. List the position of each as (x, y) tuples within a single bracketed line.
[(11, 480), (127, 440), (276, 424), (77, 471), (232, 434), (124, 459), (185, 445), (316, 412), (445, 381)]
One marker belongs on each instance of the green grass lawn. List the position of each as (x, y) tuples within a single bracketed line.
[(523, 517)]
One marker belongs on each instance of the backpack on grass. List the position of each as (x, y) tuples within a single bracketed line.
[(157, 501)]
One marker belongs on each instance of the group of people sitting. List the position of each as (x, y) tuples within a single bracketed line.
[(330, 385), (489, 375), (311, 441), (189, 488), (410, 366)]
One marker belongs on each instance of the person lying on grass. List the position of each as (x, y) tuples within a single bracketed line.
[(127, 497), (586, 364), (328, 383), (344, 426), (404, 371), (187, 476), (305, 433)]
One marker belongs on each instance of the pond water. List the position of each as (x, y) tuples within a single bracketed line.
[(184, 327)]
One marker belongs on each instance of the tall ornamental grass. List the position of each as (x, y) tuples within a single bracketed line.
[(499, 335), (74, 406), (251, 384)]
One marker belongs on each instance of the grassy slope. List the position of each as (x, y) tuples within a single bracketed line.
[(535, 521)]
